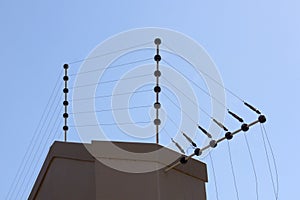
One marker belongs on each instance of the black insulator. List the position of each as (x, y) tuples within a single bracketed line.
[(213, 143), (245, 127), (220, 124), (66, 90), (66, 78), (157, 122), (189, 139), (236, 116), (157, 105), (197, 152), (194, 144), (157, 73), (65, 115), (157, 89), (202, 129), (205, 132), (262, 119), (65, 128), (183, 160), (178, 146), (157, 58), (157, 41), (252, 108), (228, 135), (66, 66), (66, 103)]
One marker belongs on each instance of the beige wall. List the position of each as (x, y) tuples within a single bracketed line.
[(70, 172), (68, 179)]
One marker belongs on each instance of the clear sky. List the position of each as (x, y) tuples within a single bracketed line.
[(255, 45)]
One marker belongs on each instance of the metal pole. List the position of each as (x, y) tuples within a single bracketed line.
[(66, 103), (208, 146), (157, 88)]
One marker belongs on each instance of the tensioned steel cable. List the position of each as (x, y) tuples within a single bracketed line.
[(39, 151), (214, 175), (253, 166), (232, 171), (264, 134), (111, 52), (34, 139)]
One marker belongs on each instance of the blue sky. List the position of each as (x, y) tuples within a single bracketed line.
[(255, 45)]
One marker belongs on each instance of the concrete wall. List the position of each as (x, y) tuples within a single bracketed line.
[(68, 179), (71, 172)]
